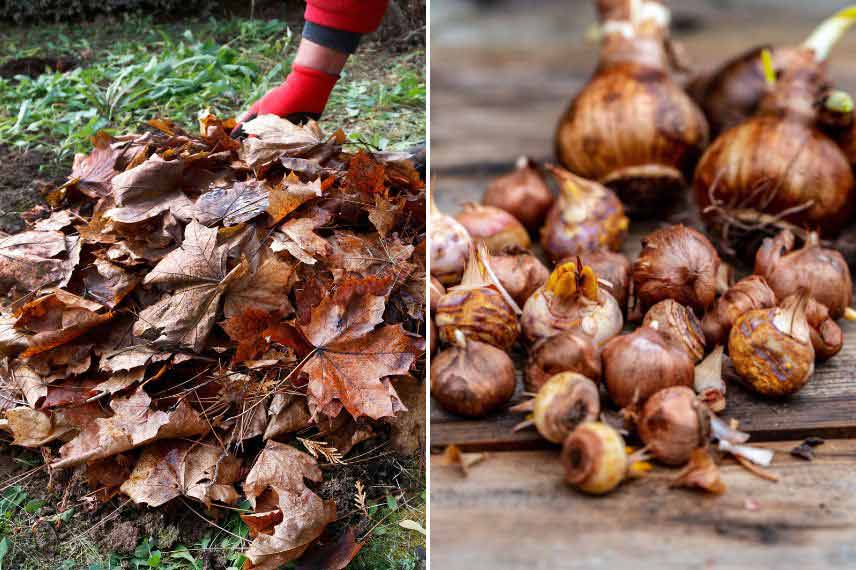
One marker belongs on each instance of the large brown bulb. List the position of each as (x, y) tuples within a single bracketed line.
[(472, 378), (677, 263), (747, 294), (568, 351), (519, 272), (586, 217), (481, 314), (613, 271), (679, 325), (522, 193), (639, 364), (821, 271), (672, 424), (495, 227), (632, 127)]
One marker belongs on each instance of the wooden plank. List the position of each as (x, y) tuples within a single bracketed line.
[(514, 511)]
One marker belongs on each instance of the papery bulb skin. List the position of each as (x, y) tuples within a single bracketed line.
[(586, 217), (672, 424), (639, 364), (477, 308), (821, 271), (435, 293), (677, 263), (565, 401), (522, 193), (471, 378), (679, 325), (779, 162), (749, 293), (771, 348), (495, 227), (567, 351), (449, 244), (632, 128), (595, 458), (571, 299), (519, 272)]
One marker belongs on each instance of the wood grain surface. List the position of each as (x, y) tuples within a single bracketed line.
[(513, 511)]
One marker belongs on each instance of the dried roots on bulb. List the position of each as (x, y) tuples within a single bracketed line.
[(821, 271), (672, 424), (472, 378), (519, 272), (639, 364), (567, 351), (586, 217), (479, 306), (565, 401), (679, 325), (648, 160), (677, 263), (450, 244), (523, 193), (749, 293), (731, 93), (571, 299), (780, 162), (771, 348), (595, 458), (495, 227)]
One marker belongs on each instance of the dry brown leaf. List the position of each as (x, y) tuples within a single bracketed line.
[(371, 256), (266, 288), (233, 203), (351, 355), (287, 413), (288, 515), (454, 457), (333, 556), (384, 215), (107, 282), (700, 473), (170, 469), (133, 423), (148, 190), (274, 137), (407, 428), (30, 261), (57, 318), (298, 238), (92, 173), (290, 195), (35, 428)]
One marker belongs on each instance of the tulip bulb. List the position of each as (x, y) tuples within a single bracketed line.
[(639, 364), (613, 273), (565, 401), (567, 351), (747, 294), (472, 378), (519, 272), (677, 263), (478, 307), (673, 424), (586, 217), (595, 458), (571, 299), (450, 245), (632, 128), (495, 227), (679, 325), (522, 193), (771, 348), (821, 271)]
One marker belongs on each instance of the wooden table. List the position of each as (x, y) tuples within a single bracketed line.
[(500, 80)]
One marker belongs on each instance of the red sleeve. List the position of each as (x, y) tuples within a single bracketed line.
[(360, 16)]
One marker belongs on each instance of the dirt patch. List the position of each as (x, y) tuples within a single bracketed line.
[(23, 177), (35, 66)]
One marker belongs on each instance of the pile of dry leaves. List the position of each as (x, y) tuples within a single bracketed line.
[(190, 302)]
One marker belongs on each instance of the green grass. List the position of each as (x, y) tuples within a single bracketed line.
[(135, 69)]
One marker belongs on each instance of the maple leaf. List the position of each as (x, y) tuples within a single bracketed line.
[(290, 195), (35, 428), (232, 204), (365, 174), (335, 555), (108, 282), (272, 137), (92, 173), (134, 423), (371, 256), (197, 273), (352, 354), (265, 288), (147, 190), (288, 515), (170, 469), (57, 318), (298, 238)]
